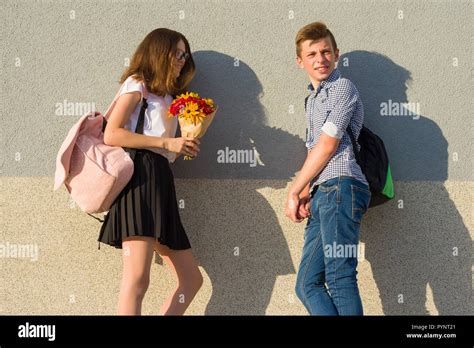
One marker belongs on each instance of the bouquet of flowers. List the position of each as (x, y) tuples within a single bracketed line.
[(194, 114)]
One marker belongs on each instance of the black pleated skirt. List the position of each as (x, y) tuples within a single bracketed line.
[(147, 206)]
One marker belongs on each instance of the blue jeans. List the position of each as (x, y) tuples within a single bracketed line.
[(331, 240)]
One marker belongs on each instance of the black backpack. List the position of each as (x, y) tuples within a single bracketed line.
[(373, 161)]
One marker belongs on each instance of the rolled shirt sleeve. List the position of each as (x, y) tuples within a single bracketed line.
[(340, 115)]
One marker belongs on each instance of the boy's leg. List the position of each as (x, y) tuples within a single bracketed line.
[(341, 210), (310, 281)]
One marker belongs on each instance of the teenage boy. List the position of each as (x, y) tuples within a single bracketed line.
[(330, 189)]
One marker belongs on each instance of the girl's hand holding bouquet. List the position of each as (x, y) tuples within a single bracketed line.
[(194, 114), (187, 146)]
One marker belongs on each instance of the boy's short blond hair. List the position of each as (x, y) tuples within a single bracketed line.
[(313, 31)]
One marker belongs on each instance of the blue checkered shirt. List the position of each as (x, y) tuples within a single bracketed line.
[(330, 108)]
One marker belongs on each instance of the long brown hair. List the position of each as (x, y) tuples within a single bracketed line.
[(152, 63)]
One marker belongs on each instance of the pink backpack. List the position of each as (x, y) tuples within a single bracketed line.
[(95, 173)]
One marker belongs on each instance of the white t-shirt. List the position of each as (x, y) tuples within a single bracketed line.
[(156, 123)]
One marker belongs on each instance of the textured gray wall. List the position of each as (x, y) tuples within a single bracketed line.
[(417, 248)]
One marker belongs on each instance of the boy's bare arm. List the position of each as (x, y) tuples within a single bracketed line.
[(305, 192), (315, 162)]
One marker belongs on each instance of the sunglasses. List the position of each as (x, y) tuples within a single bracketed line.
[(181, 55)]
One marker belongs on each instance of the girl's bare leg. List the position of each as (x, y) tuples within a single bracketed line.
[(188, 276), (137, 256)]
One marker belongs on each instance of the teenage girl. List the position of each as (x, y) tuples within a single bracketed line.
[(144, 218)]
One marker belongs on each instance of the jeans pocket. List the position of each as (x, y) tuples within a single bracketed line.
[(328, 187), (360, 202)]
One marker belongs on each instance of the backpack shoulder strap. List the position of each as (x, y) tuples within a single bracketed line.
[(354, 143), (306, 102), (141, 116)]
